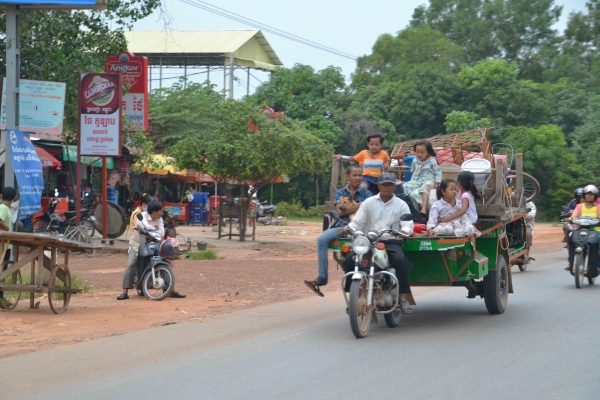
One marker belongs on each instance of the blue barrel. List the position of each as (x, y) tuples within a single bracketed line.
[(408, 160)]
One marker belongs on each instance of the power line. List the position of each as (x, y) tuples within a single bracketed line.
[(247, 21)]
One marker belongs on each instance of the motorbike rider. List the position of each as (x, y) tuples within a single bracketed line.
[(570, 208), (588, 208), (354, 176), (378, 213)]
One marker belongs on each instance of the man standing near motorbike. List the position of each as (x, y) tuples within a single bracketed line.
[(354, 175), (378, 213)]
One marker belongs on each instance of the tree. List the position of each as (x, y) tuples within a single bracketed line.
[(462, 121), (545, 157), (516, 30), (232, 152), (415, 45), (57, 45)]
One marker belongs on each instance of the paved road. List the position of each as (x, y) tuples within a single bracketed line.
[(545, 346)]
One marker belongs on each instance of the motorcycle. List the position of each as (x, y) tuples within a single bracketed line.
[(264, 213), (581, 237), (156, 279), (51, 222), (376, 291)]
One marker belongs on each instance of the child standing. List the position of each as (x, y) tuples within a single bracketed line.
[(446, 206), (374, 161), (467, 193), (426, 174)]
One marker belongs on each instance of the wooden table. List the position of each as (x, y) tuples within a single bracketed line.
[(43, 254)]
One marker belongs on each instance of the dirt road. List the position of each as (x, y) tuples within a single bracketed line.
[(247, 275)]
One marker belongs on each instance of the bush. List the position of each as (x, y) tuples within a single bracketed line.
[(203, 255), (294, 209)]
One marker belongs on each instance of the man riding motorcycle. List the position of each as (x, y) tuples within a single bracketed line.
[(570, 208)]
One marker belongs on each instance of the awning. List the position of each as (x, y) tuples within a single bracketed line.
[(71, 155), (162, 166), (48, 160)]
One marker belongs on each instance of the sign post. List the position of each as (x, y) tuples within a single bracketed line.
[(100, 97), (134, 74)]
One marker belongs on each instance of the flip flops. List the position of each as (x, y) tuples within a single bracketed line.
[(405, 307), (312, 285)]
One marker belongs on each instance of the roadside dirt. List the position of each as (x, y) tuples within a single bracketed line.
[(250, 274)]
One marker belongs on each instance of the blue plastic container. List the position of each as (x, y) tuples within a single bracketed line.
[(408, 160)]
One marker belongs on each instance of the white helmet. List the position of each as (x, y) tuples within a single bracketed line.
[(590, 189)]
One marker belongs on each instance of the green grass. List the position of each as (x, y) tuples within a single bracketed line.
[(76, 283), (305, 219), (202, 255)]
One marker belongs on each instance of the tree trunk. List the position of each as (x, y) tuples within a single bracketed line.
[(243, 213)]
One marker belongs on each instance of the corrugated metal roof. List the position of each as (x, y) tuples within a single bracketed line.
[(249, 47)]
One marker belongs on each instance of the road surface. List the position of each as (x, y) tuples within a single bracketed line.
[(545, 346)]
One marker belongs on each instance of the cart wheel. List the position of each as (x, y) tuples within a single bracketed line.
[(9, 298), (495, 285), (531, 187), (360, 317), (60, 278)]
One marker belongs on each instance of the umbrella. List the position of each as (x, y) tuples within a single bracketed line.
[(47, 159)]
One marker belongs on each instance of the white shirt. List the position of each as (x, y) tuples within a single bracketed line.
[(374, 214), (138, 238), (472, 210)]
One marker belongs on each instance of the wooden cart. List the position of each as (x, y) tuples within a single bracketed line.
[(42, 255)]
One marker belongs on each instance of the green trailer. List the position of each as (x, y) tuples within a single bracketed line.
[(481, 264)]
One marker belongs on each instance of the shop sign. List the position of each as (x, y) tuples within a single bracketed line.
[(28, 171), (41, 106), (134, 75), (99, 114)]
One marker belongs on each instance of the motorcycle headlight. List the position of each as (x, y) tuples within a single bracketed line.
[(361, 245), (155, 235)]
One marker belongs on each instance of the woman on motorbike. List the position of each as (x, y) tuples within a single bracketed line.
[(588, 208)]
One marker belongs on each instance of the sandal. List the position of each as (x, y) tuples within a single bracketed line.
[(123, 296), (177, 295), (568, 268), (405, 307), (314, 286)]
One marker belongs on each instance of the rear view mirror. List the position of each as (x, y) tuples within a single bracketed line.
[(527, 209), (139, 217), (564, 209), (407, 217), (334, 215)]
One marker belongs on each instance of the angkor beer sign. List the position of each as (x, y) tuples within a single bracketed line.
[(134, 74), (99, 114)]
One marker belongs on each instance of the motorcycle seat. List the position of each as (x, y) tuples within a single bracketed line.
[(70, 214), (268, 208)]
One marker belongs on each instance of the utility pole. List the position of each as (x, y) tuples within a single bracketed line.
[(231, 63), (13, 64)]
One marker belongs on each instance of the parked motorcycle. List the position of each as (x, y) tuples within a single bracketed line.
[(264, 212), (582, 236), (51, 222), (375, 288), (156, 278)]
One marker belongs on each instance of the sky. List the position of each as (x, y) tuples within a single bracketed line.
[(350, 26)]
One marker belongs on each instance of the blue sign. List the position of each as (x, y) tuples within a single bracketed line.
[(28, 171), (51, 2)]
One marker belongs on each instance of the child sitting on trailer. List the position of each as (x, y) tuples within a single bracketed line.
[(446, 206)]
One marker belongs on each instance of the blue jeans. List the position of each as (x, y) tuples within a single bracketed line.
[(322, 253)]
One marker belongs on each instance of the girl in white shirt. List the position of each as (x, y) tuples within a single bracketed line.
[(467, 193)]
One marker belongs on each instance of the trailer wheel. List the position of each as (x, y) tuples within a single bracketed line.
[(496, 287)]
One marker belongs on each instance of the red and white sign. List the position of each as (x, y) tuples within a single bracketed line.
[(99, 114), (134, 74)]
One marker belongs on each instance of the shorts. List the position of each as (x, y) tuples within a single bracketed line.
[(371, 182)]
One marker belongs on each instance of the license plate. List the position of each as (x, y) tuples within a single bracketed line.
[(93, 219)]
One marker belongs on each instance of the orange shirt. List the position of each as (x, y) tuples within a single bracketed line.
[(372, 165)]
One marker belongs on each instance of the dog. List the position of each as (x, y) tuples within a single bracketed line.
[(347, 202)]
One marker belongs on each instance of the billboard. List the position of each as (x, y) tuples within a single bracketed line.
[(28, 171), (99, 114), (41, 106), (134, 74)]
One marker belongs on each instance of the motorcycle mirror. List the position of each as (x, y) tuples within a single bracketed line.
[(527, 209), (139, 217), (407, 217), (334, 215)]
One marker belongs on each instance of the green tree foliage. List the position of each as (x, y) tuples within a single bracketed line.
[(57, 45), (517, 30), (546, 158), (231, 151)]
